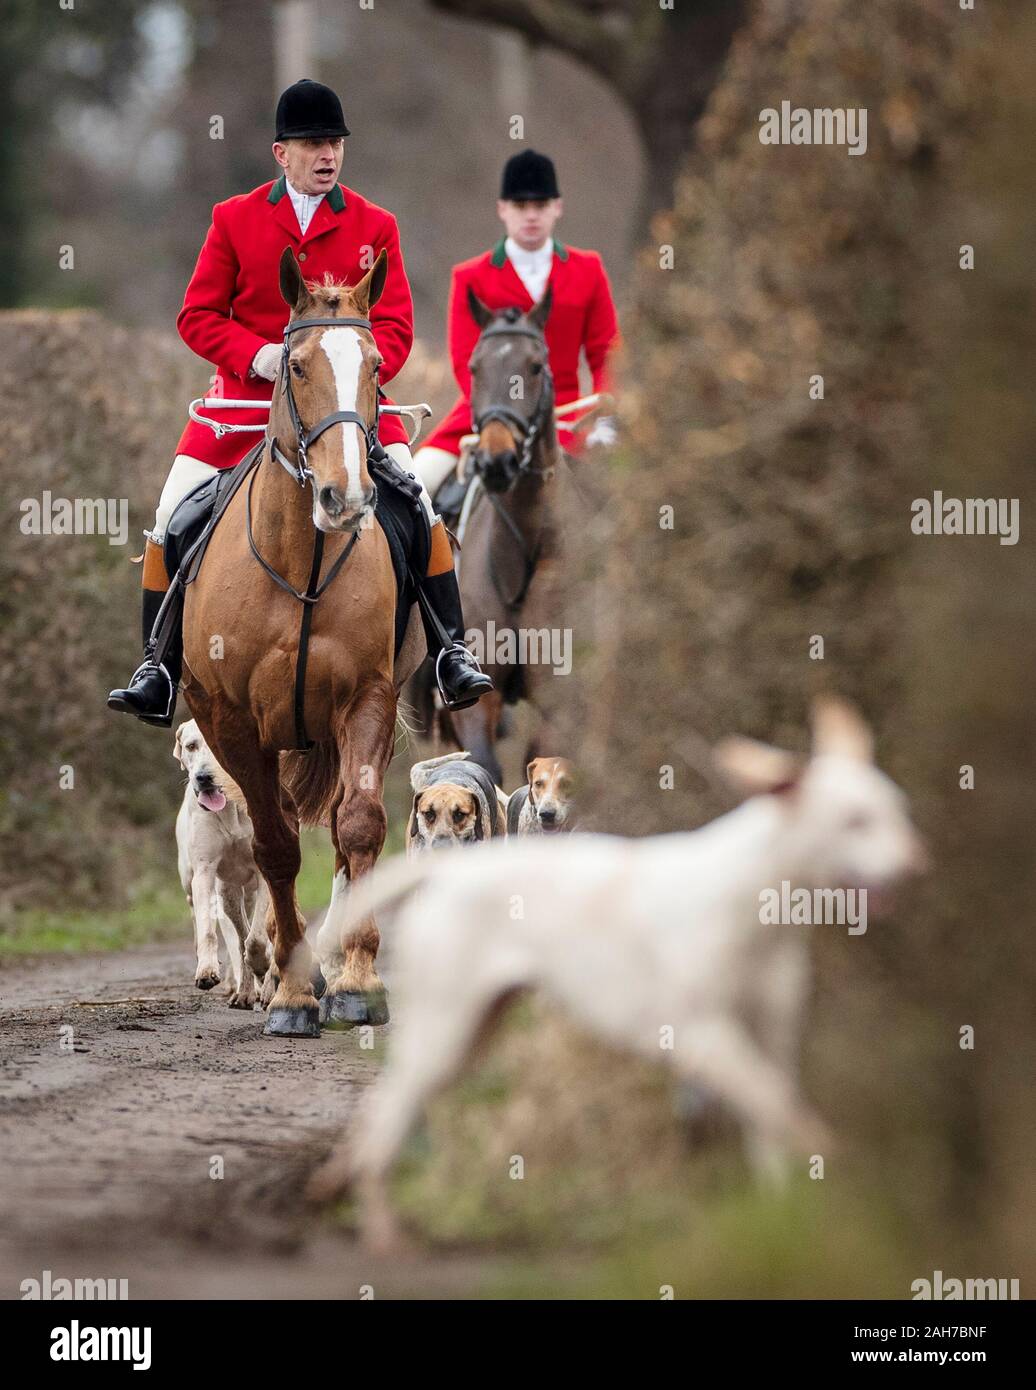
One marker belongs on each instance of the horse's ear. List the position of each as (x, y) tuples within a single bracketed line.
[(480, 312), (293, 287), (540, 312), (368, 291)]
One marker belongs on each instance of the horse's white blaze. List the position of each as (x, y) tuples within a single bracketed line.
[(343, 351)]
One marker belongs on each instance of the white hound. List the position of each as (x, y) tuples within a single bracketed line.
[(217, 870), (659, 945)]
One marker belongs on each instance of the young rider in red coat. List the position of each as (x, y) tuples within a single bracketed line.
[(515, 273), (233, 316)]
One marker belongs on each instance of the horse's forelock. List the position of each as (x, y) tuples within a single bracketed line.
[(329, 291)]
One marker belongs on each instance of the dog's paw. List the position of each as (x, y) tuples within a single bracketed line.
[(206, 979), (242, 999), (269, 989)]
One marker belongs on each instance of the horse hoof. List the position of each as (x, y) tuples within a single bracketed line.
[(318, 982), (293, 1023), (349, 1008)]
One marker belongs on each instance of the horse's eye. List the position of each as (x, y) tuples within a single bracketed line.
[(535, 368), (296, 369)]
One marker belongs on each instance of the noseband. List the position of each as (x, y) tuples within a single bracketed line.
[(526, 427), (301, 471)]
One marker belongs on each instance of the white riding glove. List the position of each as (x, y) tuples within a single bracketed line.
[(267, 361), (604, 432)]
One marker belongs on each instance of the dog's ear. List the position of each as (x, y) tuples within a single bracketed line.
[(480, 818), (178, 743), (840, 730), (413, 815), (757, 768)]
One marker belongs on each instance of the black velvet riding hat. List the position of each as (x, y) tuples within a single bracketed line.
[(528, 176), (309, 109)]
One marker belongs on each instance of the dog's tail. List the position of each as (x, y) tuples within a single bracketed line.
[(389, 883), (420, 771)]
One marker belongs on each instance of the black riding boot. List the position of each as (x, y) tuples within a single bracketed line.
[(460, 679), (151, 693)]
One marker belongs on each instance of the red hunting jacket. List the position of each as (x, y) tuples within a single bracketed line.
[(582, 316), (233, 303)]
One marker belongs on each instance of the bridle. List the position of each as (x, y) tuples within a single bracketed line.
[(301, 471), (526, 427)]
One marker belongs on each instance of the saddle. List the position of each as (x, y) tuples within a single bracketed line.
[(449, 497), (398, 511)]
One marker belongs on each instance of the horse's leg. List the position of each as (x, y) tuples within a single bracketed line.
[(293, 1006), (365, 738), (476, 728)]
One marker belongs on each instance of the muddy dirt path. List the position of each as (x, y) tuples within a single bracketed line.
[(107, 1136)]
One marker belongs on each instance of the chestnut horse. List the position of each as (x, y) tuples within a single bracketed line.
[(241, 644)]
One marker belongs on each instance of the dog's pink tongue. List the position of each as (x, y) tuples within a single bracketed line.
[(212, 801)]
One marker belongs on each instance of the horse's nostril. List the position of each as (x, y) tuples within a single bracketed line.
[(331, 500)]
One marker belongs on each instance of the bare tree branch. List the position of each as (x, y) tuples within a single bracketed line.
[(583, 32)]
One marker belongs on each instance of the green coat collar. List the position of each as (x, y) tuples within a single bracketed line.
[(335, 199), (500, 255)]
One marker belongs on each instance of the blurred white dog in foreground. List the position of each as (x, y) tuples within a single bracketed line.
[(654, 944), (218, 872)]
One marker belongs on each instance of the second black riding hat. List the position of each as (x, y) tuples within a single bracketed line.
[(529, 176), (308, 109)]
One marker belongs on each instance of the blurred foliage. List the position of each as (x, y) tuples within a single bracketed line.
[(792, 518), (95, 409), (50, 59)]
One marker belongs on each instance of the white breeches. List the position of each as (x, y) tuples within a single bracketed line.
[(401, 453), (186, 473), (433, 466)]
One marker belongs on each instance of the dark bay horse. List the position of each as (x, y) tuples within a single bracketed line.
[(509, 578), (241, 644)]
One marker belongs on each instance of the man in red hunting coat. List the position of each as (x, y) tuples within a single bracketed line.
[(516, 273), (233, 316)]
